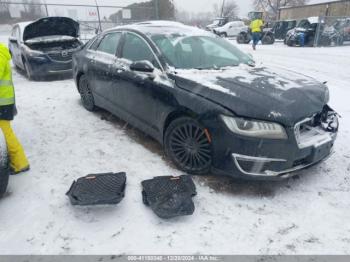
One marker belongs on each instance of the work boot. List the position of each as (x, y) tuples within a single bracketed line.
[(23, 170)]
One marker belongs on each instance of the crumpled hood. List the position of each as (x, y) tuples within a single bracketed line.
[(4, 52), (51, 26), (276, 95)]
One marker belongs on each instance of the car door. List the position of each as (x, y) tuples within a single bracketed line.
[(101, 60), (141, 95)]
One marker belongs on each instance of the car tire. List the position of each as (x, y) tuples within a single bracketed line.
[(87, 98), (241, 39), (28, 71), (268, 40), (187, 144), (4, 166), (223, 35)]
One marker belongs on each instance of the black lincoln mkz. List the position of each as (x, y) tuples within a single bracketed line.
[(206, 101)]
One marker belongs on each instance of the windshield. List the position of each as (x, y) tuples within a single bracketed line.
[(199, 52)]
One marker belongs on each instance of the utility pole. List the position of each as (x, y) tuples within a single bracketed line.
[(222, 8), (46, 9), (99, 16), (156, 8)]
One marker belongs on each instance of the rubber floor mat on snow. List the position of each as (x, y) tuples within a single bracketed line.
[(98, 189), (169, 196)]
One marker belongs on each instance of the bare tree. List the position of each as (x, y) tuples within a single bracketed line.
[(229, 9), (33, 9), (270, 7)]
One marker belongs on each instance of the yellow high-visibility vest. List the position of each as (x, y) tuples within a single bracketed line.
[(256, 25), (7, 91)]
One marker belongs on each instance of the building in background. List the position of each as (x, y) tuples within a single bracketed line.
[(338, 8)]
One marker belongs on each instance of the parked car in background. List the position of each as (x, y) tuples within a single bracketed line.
[(4, 165), (218, 22), (45, 47), (280, 28), (343, 26), (314, 31), (205, 101), (230, 29)]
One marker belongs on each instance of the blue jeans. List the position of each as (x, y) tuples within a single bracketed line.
[(256, 38)]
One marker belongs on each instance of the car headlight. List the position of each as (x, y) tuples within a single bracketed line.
[(255, 128)]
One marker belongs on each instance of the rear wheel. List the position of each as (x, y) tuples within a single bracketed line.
[(268, 40), (188, 145), (4, 166), (86, 95)]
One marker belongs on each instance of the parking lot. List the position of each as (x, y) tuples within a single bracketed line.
[(307, 214)]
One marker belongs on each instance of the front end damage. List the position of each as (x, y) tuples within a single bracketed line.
[(309, 142)]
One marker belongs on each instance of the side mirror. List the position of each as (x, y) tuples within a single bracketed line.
[(142, 66), (13, 40)]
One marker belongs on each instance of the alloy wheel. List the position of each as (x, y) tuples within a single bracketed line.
[(190, 148)]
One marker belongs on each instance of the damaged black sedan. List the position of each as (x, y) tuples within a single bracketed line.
[(206, 101), (45, 47)]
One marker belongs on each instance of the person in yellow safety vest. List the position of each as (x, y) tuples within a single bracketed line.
[(18, 159), (256, 29)]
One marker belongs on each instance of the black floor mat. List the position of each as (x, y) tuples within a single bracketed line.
[(98, 189), (169, 196)]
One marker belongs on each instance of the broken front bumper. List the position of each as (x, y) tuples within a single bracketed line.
[(263, 159)]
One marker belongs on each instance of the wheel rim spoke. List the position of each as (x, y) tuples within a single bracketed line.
[(190, 147)]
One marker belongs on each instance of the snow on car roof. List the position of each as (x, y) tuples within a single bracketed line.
[(164, 27)]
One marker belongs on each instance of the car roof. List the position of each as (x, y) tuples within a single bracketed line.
[(163, 28)]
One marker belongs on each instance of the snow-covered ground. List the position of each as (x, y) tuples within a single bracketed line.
[(308, 214)]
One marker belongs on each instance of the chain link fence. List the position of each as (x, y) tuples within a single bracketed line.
[(92, 18)]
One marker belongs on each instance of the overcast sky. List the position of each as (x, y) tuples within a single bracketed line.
[(190, 5)]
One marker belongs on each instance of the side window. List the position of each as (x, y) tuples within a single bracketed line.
[(109, 43), (92, 44), (136, 49)]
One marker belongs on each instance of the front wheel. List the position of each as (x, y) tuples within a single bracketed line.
[(86, 95), (4, 166), (242, 39), (224, 35), (188, 145), (28, 72)]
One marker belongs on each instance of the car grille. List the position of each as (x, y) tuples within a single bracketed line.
[(65, 56), (310, 132)]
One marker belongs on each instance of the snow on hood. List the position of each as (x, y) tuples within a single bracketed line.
[(4, 53), (50, 26), (277, 95)]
